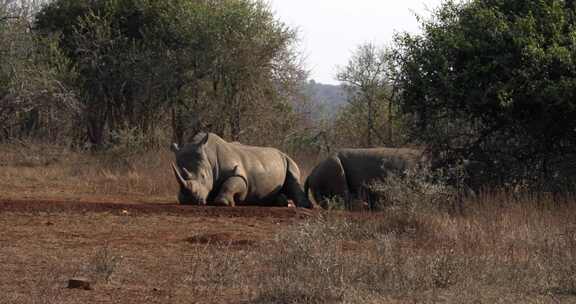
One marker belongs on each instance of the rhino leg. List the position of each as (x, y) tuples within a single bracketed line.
[(280, 201), (234, 189), (293, 188)]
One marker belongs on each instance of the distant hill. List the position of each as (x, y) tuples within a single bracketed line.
[(328, 98)]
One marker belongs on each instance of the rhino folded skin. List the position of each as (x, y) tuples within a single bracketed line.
[(213, 171)]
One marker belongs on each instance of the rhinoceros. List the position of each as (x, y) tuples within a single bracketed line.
[(212, 171), (347, 172)]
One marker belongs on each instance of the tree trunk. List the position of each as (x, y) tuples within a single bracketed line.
[(96, 130), (234, 112), (177, 129), (96, 127), (390, 124), (235, 127), (370, 120)]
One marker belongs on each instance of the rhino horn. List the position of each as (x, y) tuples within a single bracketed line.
[(179, 177), (175, 147), (187, 174)]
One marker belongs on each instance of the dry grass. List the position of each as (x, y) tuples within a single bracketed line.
[(49, 172), (500, 251), (505, 250), (500, 248), (44, 171)]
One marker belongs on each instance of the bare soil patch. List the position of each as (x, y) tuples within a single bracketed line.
[(166, 253), (128, 208), (133, 253)]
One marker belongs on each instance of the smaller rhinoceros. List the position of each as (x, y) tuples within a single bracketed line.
[(347, 172), (212, 171)]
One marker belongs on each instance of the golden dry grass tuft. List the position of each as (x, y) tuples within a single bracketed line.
[(505, 249), (40, 171)]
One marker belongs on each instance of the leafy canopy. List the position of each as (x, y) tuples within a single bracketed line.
[(494, 80), (205, 61)]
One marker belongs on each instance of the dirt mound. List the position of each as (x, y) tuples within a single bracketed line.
[(131, 209), (222, 239)]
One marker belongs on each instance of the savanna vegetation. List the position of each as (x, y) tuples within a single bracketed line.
[(494, 81), (485, 81), (92, 93), (153, 72)]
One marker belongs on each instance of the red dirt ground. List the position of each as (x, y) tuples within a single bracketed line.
[(43, 243), (146, 209)]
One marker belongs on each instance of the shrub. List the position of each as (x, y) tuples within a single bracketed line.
[(494, 81)]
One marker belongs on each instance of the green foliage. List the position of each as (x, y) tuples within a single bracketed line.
[(495, 81), (125, 76), (371, 88), (349, 127), (196, 64), (33, 101)]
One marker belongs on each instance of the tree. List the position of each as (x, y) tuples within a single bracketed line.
[(494, 81), (201, 64), (349, 128), (33, 100), (124, 80), (255, 63), (369, 85)]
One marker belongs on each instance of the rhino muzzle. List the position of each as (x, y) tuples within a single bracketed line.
[(187, 198), (189, 193)]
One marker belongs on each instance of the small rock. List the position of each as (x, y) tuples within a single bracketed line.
[(79, 283)]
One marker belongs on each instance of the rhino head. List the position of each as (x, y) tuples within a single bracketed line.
[(193, 173)]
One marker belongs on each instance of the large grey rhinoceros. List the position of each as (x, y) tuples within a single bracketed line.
[(212, 171), (346, 173)]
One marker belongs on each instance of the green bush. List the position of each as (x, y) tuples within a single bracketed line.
[(495, 82)]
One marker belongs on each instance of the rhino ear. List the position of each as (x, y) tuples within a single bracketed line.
[(174, 147), (204, 140)]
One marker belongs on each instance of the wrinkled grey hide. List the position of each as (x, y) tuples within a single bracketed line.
[(213, 171), (347, 172)]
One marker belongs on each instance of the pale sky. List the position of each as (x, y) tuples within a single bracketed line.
[(330, 30)]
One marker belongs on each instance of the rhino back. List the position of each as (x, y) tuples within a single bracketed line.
[(264, 168), (363, 166)]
